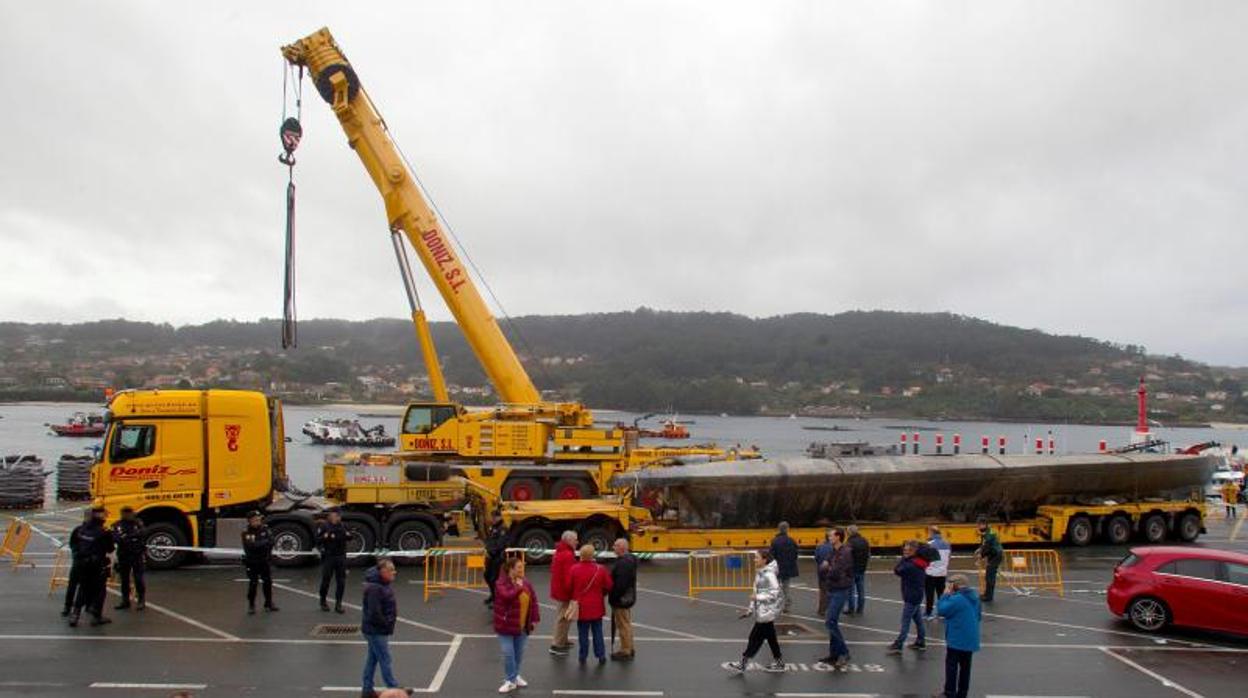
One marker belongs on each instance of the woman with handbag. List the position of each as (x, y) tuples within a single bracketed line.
[(765, 605), (516, 612), (590, 581)]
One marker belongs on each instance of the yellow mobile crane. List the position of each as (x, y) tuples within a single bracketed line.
[(526, 448)]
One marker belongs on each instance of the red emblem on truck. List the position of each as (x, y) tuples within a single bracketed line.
[(231, 436)]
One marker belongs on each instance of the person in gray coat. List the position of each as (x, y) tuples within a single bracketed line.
[(766, 604)]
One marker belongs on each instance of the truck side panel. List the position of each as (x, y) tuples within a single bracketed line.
[(239, 460)]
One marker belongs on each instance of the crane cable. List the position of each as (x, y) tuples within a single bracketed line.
[(291, 132)]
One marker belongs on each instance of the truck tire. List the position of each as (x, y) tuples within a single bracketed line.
[(535, 541), (1079, 531), (1118, 530), (165, 534), (1153, 529), (410, 536), (522, 489), (362, 540), (1148, 614), (290, 538), (600, 537), (1188, 529), (570, 488)]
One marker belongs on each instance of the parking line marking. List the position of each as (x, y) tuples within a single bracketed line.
[(826, 695), (444, 668), (1149, 672), (152, 686), (185, 619), (400, 619), (588, 692)]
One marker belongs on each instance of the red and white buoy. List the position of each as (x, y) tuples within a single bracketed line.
[(1141, 433)]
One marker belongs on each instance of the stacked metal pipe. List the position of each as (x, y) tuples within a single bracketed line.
[(21, 482), (73, 477)]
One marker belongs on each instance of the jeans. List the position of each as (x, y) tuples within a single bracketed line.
[(763, 632), (933, 587), (583, 628), (378, 653), (858, 593), (911, 612), (836, 641), (957, 673), (513, 653)]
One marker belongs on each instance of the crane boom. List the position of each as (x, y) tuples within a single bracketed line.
[(407, 211)]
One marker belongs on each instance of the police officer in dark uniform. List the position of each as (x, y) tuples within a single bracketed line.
[(495, 554), (91, 543), (76, 566), (331, 538), (257, 551), (131, 547)]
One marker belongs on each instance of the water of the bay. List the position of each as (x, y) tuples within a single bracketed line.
[(23, 429)]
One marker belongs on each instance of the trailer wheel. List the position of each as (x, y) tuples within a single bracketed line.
[(362, 539), (411, 536), (1153, 529), (1189, 527), (522, 489), (570, 488), (1118, 530), (535, 541), (289, 540), (165, 535), (1079, 531), (598, 536)]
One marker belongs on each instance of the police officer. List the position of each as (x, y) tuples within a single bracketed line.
[(131, 546), (91, 543), (257, 550), (495, 552), (76, 566), (331, 538)]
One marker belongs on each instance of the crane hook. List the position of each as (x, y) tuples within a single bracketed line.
[(291, 133)]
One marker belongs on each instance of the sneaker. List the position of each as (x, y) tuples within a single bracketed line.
[(929, 618), (521, 683), (507, 687), (737, 667), (842, 663), (776, 666), (558, 651), (894, 649), (920, 646)]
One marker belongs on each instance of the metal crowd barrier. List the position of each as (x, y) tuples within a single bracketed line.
[(60, 571), (1028, 571), (720, 570), (16, 536), (454, 568)]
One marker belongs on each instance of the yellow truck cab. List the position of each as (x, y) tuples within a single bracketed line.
[(189, 460)]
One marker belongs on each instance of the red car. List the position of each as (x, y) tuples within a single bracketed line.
[(1191, 587)]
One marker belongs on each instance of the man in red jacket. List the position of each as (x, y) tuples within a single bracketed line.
[(561, 590)]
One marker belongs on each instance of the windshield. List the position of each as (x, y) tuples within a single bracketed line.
[(422, 419)]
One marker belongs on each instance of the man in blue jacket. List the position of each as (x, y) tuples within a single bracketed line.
[(784, 552), (911, 569), (377, 625), (962, 611)]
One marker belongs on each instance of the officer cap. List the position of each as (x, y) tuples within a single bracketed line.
[(254, 513)]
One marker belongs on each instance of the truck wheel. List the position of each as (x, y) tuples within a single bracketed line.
[(165, 534), (1148, 614), (411, 536), (1189, 527), (362, 540), (522, 489), (1118, 530), (535, 541), (570, 488), (598, 536), (1153, 529), (1079, 531), (290, 539)]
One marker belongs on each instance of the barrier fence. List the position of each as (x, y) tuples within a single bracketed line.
[(16, 536), (1028, 571), (454, 568), (715, 570), (60, 571)]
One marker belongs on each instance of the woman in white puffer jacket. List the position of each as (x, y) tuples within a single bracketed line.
[(765, 605)]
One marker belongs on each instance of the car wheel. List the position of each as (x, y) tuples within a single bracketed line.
[(1079, 531), (1189, 527), (289, 541), (1148, 614), (164, 535), (1118, 530), (1153, 529)]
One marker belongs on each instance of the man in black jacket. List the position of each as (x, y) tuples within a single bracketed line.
[(784, 552), (131, 547), (91, 543), (622, 596), (75, 567), (860, 550), (257, 551), (378, 615), (495, 551), (331, 538)]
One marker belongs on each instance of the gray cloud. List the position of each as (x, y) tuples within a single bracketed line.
[(1072, 166)]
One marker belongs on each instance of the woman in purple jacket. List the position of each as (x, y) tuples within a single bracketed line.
[(516, 612)]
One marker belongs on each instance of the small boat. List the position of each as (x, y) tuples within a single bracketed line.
[(820, 427), (347, 432), (81, 424), (670, 429)]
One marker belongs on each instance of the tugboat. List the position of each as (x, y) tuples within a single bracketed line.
[(347, 432), (81, 424), (669, 429)]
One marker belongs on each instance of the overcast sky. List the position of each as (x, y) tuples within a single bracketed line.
[(1079, 167)]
